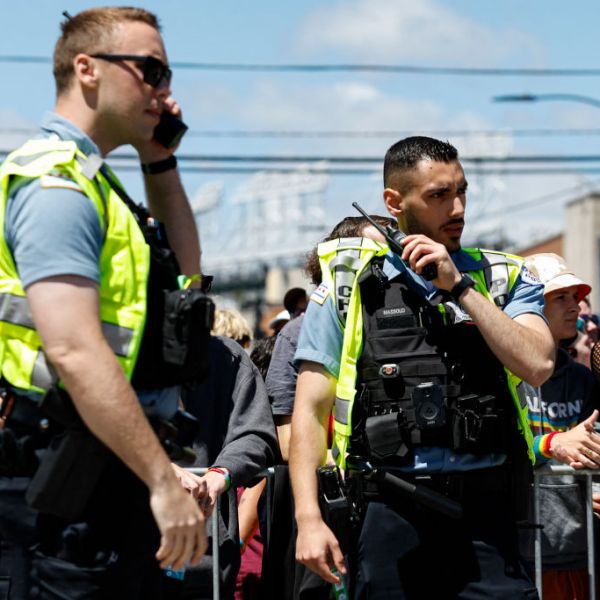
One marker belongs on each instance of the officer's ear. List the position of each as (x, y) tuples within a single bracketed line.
[(86, 70), (393, 202)]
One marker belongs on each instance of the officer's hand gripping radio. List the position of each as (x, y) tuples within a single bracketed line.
[(393, 237)]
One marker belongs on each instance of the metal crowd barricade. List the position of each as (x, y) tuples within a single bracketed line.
[(214, 524), (557, 471)]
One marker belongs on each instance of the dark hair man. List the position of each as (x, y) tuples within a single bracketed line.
[(75, 257), (426, 380)]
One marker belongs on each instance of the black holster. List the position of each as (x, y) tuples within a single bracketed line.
[(335, 505), (71, 465)]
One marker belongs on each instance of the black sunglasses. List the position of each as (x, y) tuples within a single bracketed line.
[(583, 319), (154, 71)]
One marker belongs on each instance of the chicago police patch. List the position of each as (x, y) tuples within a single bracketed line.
[(320, 294)]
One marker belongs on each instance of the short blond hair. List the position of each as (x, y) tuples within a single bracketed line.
[(230, 323), (91, 32)]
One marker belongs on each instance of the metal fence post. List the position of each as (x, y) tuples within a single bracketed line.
[(216, 570), (538, 535)]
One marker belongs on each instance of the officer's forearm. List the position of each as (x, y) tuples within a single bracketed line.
[(308, 446), (523, 345), (65, 311), (109, 407), (168, 202)]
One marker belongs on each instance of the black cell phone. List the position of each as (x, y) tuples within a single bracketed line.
[(170, 130)]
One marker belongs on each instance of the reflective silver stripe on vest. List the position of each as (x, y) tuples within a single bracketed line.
[(344, 265), (525, 391), (497, 277), (340, 410), (15, 310), (43, 374), (344, 260), (23, 160), (346, 242), (118, 338)]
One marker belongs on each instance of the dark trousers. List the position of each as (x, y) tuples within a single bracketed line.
[(406, 551), (109, 554)]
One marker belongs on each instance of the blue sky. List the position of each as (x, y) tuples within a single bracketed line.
[(465, 33)]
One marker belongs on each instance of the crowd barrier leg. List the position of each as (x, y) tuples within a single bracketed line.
[(214, 522), (216, 571), (557, 471), (538, 536), (590, 536)]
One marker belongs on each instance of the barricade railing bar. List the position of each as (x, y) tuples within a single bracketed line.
[(559, 471), (214, 525)]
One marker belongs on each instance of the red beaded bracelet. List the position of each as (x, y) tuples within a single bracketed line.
[(225, 473)]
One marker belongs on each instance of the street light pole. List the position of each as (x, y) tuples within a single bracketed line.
[(541, 97)]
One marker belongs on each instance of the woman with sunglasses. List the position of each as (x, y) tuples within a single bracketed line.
[(587, 334)]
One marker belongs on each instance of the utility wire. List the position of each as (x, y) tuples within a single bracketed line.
[(354, 68), (313, 161), (351, 160), (450, 133), (333, 171)]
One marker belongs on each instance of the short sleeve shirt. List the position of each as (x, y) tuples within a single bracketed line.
[(51, 227), (283, 373)]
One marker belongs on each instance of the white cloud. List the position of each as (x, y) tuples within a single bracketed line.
[(419, 31), (358, 106)]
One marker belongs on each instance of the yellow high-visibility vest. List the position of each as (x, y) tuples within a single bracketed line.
[(342, 262), (124, 266)]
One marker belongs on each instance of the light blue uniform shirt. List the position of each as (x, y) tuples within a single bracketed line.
[(54, 230), (321, 342)]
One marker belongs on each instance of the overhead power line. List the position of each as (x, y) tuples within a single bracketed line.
[(333, 134), (362, 165), (324, 161), (351, 160), (352, 68)]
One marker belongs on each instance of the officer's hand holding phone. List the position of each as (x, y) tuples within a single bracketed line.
[(170, 130), (166, 136)]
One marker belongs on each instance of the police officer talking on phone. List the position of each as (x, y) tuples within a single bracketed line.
[(427, 382), (78, 312)]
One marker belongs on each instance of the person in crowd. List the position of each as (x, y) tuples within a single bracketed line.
[(237, 441), (251, 505), (425, 357), (81, 309), (296, 581), (295, 301), (231, 323), (587, 334), (278, 322), (562, 419), (262, 353)]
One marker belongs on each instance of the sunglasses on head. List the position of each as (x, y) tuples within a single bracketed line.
[(583, 319), (154, 71)]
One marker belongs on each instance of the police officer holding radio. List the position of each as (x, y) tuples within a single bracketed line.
[(85, 274), (427, 383)]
